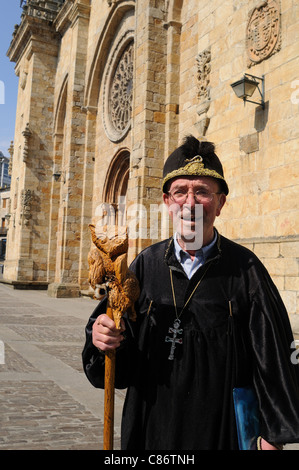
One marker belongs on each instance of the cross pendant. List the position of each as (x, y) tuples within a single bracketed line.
[(176, 331)]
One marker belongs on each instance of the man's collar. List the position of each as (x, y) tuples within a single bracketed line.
[(202, 252), (172, 261)]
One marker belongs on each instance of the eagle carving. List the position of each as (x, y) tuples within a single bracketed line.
[(108, 267)]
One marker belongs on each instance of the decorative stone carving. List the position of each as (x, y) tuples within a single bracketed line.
[(203, 74), (23, 80), (121, 92), (27, 134), (203, 60), (44, 9), (263, 34), (111, 2), (118, 94), (11, 151), (8, 215), (26, 199)]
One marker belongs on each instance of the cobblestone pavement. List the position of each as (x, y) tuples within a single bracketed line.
[(46, 400)]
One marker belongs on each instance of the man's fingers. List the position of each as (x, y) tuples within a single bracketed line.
[(105, 335), (106, 321)]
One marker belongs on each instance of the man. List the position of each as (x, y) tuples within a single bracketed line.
[(209, 319)]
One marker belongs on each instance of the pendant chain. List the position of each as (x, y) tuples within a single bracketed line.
[(175, 329), (191, 295)]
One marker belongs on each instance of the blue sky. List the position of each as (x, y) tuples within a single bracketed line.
[(9, 16)]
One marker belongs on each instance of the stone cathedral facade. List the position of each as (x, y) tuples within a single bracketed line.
[(108, 88)]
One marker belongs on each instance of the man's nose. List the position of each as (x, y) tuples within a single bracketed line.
[(190, 198)]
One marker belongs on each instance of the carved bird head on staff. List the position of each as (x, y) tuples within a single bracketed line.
[(108, 265)]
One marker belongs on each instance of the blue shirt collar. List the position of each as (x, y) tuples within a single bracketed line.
[(203, 252)]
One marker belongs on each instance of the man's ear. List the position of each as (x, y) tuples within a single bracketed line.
[(166, 198), (221, 202), (172, 207)]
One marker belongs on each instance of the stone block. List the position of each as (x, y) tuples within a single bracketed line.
[(292, 283), (249, 143), (290, 300), (284, 176), (270, 202), (159, 117), (63, 290), (290, 198), (267, 250), (288, 224)]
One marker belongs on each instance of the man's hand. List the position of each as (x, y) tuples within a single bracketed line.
[(105, 335), (267, 446)]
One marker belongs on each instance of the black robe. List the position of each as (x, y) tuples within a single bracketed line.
[(236, 332)]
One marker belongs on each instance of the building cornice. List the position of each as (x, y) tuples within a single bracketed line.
[(69, 14), (34, 34), (62, 20)]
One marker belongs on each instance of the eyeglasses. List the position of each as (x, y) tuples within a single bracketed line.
[(180, 195)]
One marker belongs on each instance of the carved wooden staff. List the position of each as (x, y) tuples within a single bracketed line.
[(108, 264), (109, 394)]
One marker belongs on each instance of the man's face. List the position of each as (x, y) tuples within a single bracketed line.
[(193, 204)]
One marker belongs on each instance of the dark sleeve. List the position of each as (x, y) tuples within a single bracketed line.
[(276, 374), (94, 360)]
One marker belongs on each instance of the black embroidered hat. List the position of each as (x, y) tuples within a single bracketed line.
[(194, 158)]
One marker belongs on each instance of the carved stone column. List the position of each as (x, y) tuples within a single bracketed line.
[(203, 60), (11, 151), (26, 199), (27, 134)]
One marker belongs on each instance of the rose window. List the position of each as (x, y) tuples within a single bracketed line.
[(121, 94)]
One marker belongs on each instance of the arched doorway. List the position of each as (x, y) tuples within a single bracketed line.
[(116, 185)]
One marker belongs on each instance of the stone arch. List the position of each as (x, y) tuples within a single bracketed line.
[(60, 111), (102, 49), (116, 184), (56, 236), (174, 10)]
